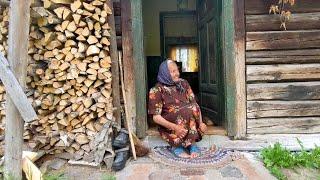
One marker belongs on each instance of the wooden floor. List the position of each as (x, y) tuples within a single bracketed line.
[(212, 130)]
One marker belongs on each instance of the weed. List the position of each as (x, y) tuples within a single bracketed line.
[(56, 176), (108, 177), (277, 157)]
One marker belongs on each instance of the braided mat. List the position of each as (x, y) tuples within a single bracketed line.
[(209, 157)]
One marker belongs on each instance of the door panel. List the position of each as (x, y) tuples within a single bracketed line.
[(210, 61)]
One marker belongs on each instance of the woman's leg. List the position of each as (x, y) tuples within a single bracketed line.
[(194, 151), (177, 144), (180, 151)]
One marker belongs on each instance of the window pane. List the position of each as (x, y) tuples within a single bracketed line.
[(187, 55)]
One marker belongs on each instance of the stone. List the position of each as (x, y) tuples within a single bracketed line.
[(231, 171), (165, 174), (56, 164), (192, 172)]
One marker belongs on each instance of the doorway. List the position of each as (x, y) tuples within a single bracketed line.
[(188, 31)]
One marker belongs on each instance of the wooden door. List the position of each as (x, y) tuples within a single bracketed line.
[(210, 81)]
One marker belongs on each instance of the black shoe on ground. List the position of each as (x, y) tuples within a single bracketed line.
[(122, 140), (121, 158)]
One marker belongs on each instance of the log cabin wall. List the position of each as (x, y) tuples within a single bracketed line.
[(283, 69)]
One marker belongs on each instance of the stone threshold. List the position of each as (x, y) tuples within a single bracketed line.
[(251, 143)]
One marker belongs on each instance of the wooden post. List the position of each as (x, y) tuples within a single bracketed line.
[(114, 65), (139, 59), (128, 63), (19, 19), (240, 71), (233, 57)]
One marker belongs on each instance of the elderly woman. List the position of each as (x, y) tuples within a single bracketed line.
[(173, 107)]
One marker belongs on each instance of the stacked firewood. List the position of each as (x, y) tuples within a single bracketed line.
[(69, 76), (4, 23), (2, 106)]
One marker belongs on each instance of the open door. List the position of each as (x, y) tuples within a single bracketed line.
[(210, 81)]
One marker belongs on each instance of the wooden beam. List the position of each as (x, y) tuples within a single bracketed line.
[(284, 91), (240, 66), (272, 40), (228, 58), (128, 63), (300, 56), (262, 6), (298, 125), (114, 65), (19, 18), (272, 22), (261, 109), (283, 72), (14, 90), (140, 66), (234, 60)]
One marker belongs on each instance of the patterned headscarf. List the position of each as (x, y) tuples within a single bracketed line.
[(165, 78)]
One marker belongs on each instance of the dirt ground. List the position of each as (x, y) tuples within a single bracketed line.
[(72, 172)]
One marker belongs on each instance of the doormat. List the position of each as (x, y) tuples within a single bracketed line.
[(209, 157)]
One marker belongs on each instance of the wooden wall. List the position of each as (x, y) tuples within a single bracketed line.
[(117, 20), (283, 69)]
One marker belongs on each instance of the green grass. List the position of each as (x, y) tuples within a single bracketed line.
[(277, 157), (55, 176), (108, 177)]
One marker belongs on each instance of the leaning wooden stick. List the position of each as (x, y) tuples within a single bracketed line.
[(15, 91), (128, 121)]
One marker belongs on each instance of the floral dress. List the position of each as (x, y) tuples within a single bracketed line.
[(178, 108)]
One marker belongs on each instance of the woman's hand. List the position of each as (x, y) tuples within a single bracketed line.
[(180, 131), (203, 127)]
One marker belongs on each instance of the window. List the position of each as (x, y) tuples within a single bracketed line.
[(187, 55)]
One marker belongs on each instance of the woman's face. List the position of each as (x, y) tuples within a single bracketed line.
[(174, 71)]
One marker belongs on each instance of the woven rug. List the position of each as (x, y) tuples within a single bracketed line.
[(209, 157)]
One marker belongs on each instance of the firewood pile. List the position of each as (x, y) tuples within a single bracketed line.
[(69, 74), (4, 23)]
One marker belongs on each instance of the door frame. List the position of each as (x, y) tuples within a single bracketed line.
[(233, 57)]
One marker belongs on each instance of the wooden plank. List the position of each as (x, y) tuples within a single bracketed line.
[(259, 109), (228, 48), (117, 8), (262, 6), (284, 91), (283, 57), (14, 90), (140, 66), (305, 125), (30, 169), (119, 42), (283, 40), (114, 66), (271, 22), (283, 72), (240, 73), (19, 18), (117, 20), (128, 63)]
